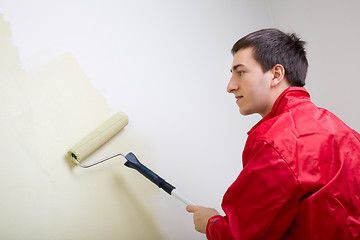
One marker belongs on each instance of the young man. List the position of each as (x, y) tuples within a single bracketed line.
[(301, 175)]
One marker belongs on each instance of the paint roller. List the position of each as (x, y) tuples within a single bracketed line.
[(89, 144)]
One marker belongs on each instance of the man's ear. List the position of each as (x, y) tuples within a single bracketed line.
[(278, 73)]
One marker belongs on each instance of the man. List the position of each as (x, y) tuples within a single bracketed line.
[(301, 171)]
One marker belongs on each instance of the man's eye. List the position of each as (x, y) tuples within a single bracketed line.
[(240, 73)]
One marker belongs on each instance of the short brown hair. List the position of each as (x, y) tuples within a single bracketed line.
[(272, 46)]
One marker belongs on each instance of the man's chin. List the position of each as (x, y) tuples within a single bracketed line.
[(244, 112)]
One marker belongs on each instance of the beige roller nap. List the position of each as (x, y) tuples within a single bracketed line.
[(98, 137)]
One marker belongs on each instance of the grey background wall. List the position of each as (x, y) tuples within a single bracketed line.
[(67, 66), (331, 30)]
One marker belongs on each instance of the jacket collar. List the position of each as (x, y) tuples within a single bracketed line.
[(287, 99)]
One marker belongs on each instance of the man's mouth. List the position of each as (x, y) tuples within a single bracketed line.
[(238, 98)]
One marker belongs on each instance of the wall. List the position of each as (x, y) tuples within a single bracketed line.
[(332, 32), (66, 66)]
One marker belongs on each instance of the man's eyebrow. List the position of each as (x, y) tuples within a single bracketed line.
[(236, 66)]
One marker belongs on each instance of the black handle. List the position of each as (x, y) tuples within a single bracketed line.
[(133, 162)]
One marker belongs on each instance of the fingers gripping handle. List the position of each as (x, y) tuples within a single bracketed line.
[(133, 162)]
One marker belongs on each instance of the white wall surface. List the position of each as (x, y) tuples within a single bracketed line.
[(331, 29), (68, 65)]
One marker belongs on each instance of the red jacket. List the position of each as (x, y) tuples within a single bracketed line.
[(301, 177)]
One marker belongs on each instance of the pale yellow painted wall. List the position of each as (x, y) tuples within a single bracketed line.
[(44, 196)]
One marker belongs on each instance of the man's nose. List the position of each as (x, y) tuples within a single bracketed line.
[(231, 86)]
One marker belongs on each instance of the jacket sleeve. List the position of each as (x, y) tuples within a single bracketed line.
[(261, 203)]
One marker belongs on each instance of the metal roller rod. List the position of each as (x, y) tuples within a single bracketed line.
[(95, 163)]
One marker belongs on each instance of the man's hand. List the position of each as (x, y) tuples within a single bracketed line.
[(201, 216)]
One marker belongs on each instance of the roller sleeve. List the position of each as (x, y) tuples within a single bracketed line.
[(98, 137)]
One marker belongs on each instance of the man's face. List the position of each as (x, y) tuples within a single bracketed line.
[(250, 85)]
